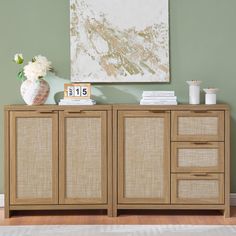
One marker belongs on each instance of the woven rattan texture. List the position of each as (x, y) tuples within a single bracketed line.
[(83, 157), (198, 157), (198, 125), (34, 158), (198, 189), (144, 157)]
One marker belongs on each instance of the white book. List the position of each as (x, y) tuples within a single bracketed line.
[(158, 103), (77, 102), (158, 93), (172, 98)]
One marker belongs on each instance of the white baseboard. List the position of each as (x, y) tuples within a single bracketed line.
[(1, 200), (232, 200)]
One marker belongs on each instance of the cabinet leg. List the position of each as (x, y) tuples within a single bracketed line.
[(115, 214), (110, 212), (227, 212), (7, 213)]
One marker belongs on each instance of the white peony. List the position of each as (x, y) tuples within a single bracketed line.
[(37, 68), (44, 62)]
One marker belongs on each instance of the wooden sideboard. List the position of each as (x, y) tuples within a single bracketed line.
[(58, 158), (117, 157), (171, 157)]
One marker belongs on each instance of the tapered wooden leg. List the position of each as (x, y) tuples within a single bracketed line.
[(6, 213), (115, 214), (227, 212), (110, 212)]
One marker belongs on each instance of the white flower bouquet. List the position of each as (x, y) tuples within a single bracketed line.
[(36, 69)]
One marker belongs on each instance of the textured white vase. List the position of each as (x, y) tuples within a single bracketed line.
[(210, 96), (194, 91), (35, 92)]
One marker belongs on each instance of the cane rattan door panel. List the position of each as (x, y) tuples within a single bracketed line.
[(143, 157), (197, 189), (197, 126), (83, 158), (197, 157), (33, 158)]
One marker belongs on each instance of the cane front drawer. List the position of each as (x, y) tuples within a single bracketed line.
[(197, 157), (197, 125), (197, 188)]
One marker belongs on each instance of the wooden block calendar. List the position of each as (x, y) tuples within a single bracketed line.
[(77, 91)]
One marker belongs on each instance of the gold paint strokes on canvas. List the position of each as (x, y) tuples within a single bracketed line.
[(124, 52)]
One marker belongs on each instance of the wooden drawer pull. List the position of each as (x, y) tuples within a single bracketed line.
[(199, 174)]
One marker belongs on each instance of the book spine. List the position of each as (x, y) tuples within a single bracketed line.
[(160, 98), (157, 103), (158, 93)]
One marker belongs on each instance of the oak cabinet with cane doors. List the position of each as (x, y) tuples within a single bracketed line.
[(58, 158), (171, 157), (115, 157)]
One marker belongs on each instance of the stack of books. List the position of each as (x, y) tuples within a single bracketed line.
[(77, 102), (158, 98)]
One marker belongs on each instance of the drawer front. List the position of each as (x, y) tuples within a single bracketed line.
[(197, 157), (197, 189), (197, 125)]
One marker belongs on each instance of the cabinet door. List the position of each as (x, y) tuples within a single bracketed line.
[(33, 158), (143, 157), (83, 157)]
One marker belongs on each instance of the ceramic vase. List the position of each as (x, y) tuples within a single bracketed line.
[(194, 91), (210, 96), (35, 92)]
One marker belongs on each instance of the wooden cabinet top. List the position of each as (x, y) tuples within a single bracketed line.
[(118, 107)]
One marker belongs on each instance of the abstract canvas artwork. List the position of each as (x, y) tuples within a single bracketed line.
[(119, 41)]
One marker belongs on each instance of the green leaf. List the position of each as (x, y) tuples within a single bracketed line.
[(20, 75)]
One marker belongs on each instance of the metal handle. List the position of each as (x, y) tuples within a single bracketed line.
[(200, 111), (201, 143), (199, 174), (45, 111), (159, 111), (73, 112)]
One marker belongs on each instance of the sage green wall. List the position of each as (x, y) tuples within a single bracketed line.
[(202, 41)]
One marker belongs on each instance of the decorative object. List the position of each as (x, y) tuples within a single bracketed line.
[(35, 92), (77, 91), (194, 91), (34, 89), (121, 41), (158, 98), (77, 94), (210, 96)]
